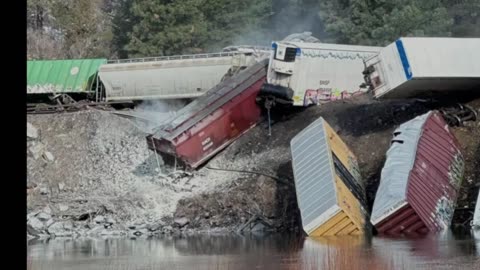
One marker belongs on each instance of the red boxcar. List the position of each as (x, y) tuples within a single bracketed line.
[(212, 121), (420, 180)]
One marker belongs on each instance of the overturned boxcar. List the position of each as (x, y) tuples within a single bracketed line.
[(420, 179), (208, 124), (422, 66), (330, 194)]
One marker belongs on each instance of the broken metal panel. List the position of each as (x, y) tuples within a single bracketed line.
[(329, 191), (421, 178), (62, 76)]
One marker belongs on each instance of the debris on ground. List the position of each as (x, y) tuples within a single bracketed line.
[(97, 164), (100, 166), (365, 125)]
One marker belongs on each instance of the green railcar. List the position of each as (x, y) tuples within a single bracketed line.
[(63, 76)]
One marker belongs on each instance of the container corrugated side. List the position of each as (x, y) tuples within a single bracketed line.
[(392, 191), (420, 179), (437, 174), (326, 202)]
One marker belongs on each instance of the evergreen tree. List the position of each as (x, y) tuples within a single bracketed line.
[(122, 27), (466, 17), (379, 22), (84, 27), (130, 28), (166, 27), (38, 13)]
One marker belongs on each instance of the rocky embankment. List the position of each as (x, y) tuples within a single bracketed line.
[(90, 172)]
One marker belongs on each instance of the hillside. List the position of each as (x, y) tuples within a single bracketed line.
[(92, 173)]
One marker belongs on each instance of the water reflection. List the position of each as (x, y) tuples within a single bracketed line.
[(448, 251), (441, 251)]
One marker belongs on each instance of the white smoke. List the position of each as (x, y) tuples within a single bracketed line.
[(161, 106), (158, 111), (151, 114)]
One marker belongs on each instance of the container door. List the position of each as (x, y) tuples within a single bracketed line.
[(375, 76)]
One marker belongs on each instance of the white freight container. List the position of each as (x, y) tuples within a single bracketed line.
[(311, 73), (419, 66)]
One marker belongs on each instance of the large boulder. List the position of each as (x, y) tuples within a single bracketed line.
[(32, 132), (61, 229), (181, 222), (36, 224)]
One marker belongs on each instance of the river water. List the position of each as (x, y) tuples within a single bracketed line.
[(446, 251)]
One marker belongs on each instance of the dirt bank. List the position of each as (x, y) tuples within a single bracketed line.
[(364, 124), (90, 172)]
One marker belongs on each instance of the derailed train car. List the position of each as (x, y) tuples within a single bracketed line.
[(117, 81), (208, 124), (330, 194), (303, 74), (172, 77), (420, 180), (424, 66)]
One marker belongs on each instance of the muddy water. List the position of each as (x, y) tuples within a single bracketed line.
[(258, 252)]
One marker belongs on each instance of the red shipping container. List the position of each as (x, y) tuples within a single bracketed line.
[(421, 178), (211, 122)]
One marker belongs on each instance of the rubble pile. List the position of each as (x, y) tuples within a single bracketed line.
[(93, 163)]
